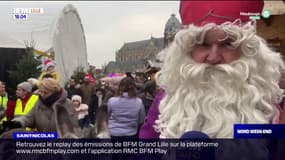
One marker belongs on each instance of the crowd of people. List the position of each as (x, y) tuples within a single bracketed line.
[(102, 109), (115, 109)]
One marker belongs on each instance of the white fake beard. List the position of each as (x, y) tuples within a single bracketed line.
[(216, 97)]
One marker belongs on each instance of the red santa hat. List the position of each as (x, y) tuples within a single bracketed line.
[(199, 12), (48, 63), (89, 77)]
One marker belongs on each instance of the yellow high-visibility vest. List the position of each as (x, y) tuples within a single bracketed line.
[(29, 105), (4, 101), (3, 119)]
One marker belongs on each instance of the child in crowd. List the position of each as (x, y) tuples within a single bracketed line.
[(82, 110)]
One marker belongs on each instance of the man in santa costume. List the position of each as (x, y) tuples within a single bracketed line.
[(218, 72)]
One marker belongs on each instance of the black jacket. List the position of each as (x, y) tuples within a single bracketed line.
[(93, 106), (73, 91)]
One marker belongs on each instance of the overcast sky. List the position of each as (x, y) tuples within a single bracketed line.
[(109, 24)]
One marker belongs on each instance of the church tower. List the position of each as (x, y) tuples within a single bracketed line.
[(172, 26)]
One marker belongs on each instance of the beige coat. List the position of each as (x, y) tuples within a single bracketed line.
[(61, 117)]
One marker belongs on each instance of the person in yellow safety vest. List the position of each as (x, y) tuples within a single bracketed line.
[(52, 113), (24, 103), (3, 99)]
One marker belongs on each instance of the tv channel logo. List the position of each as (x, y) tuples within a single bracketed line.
[(266, 14), (22, 13)]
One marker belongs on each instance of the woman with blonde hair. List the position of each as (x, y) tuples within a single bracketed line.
[(52, 112)]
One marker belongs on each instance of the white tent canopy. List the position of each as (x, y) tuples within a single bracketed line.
[(59, 28)]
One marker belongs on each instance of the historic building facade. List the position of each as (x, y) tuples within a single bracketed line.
[(134, 56)]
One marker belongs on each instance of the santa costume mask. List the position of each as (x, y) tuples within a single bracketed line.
[(218, 72)]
